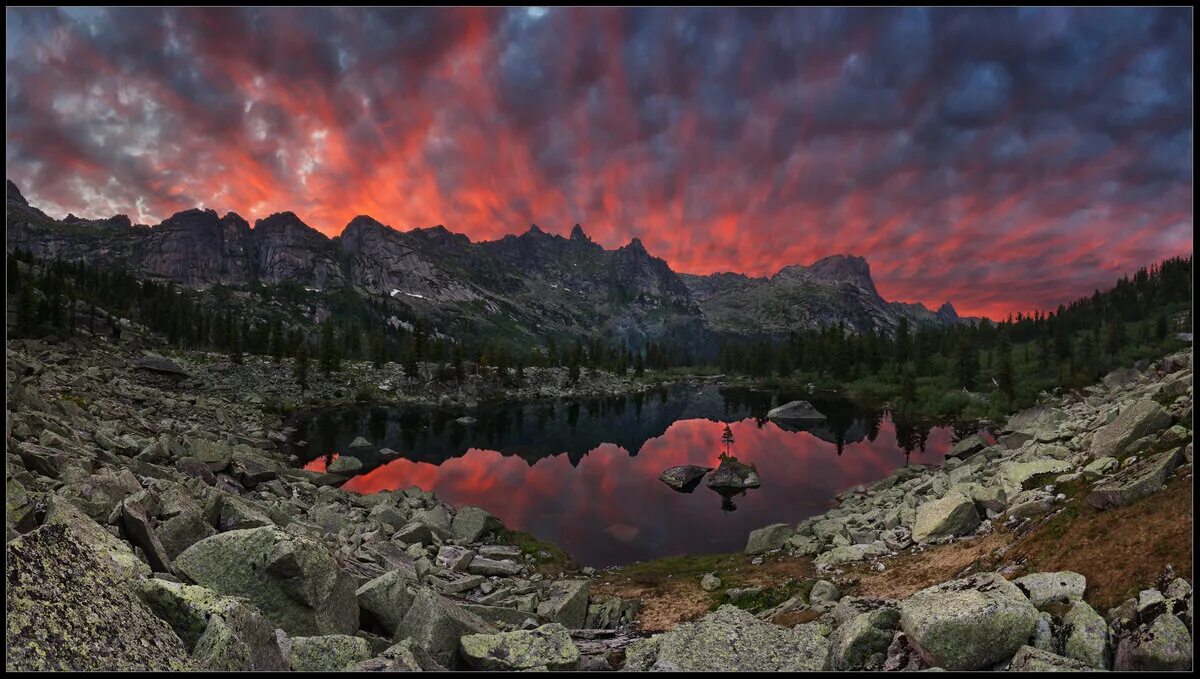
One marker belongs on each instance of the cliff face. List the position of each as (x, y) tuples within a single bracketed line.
[(527, 286)]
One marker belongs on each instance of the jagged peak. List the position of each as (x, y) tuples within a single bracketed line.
[(363, 222), (635, 244), (534, 229), (578, 235), (13, 194), (947, 310)]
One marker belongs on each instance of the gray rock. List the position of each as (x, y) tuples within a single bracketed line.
[(294, 580), (710, 582), (1030, 659), (968, 624), (471, 523), (824, 592), (733, 476), (796, 411), (1135, 481), (684, 477), (1163, 645), (862, 642), (435, 625), (566, 602), (730, 640), (359, 443), (401, 657), (328, 653), (161, 365), (949, 516), (967, 447), (1046, 589), (546, 647), (1100, 467), (385, 600), (1085, 636), (484, 566), (768, 538), (345, 464), (1140, 418)]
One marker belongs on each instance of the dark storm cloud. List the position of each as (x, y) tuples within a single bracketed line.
[(1006, 159)]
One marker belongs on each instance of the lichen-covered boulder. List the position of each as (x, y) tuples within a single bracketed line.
[(730, 640), (435, 625), (1138, 419), (967, 447), (546, 647), (1030, 659), (385, 600), (861, 643), (952, 515), (1085, 636), (214, 454), (472, 523), (328, 653), (768, 538), (67, 610), (566, 603), (110, 549), (293, 580), (1046, 589), (1136, 481), (968, 624), (224, 633), (1163, 645), (403, 656), (1017, 476)]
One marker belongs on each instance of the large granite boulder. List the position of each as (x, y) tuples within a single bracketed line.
[(732, 476), (294, 580), (1163, 645), (328, 653), (67, 610), (730, 640), (1047, 589), (566, 602), (436, 625), (950, 516), (1135, 481), (1030, 659), (684, 477), (471, 523), (384, 601), (547, 647), (767, 538), (967, 447), (224, 633), (1085, 636), (862, 642), (968, 624), (1138, 419)]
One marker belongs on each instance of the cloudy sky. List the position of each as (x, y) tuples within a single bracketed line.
[(1005, 159)]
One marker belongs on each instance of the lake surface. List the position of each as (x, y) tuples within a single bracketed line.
[(584, 474)]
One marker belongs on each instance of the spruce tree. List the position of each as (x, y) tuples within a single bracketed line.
[(300, 366), (329, 350)]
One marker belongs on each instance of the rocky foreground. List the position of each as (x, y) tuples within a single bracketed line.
[(153, 525)]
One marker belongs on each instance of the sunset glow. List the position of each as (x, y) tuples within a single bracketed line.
[(1007, 160)]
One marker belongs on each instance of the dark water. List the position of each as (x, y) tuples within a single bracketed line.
[(584, 475)]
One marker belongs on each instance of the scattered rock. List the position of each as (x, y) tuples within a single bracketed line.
[(949, 516), (328, 653), (768, 538), (685, 477), (796, 411), (547, 647)]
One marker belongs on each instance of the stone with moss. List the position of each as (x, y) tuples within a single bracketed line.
[(730, 640), (66, 610), (1164, 645), (968, 624), (435, 624), (294, 580), (767, 538), (328, 653), (385, 600), (1085, 636), (225, 633), (471, 523), (950, 516), (1030, 659), (548, 646), (862, 642)]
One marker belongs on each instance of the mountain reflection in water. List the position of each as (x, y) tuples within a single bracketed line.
[(584, 474)]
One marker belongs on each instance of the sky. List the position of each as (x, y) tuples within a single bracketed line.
[(1004, 159)]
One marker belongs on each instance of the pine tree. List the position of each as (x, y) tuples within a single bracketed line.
[(328, 350), (966, 362), (235, 345), (276, 341), (300, 366), (727, 439), (1004, 366), (378, 348), (908, 386)]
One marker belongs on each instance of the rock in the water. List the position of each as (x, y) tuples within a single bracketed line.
[(1135, 481), (225, 633), (435, 625), (768, 538), (796, 411), (684, 477), (733, 476), (65, 609), (566, 602), (1030, 659), (1046, 589), (360, 443), (952, 515), (294, 580), (345, 464), (1163, 645), (546, 647), (328, 653), (968, 624), (730, 640), (1140, 418)]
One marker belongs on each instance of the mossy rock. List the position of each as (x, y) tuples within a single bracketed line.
[(328, 653), (548, 646)]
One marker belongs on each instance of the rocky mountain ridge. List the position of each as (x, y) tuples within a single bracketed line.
[(526, 287)]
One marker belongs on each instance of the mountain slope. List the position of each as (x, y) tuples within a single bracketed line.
[(522, 288)]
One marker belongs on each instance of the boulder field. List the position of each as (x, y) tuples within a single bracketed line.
[(154, 527)]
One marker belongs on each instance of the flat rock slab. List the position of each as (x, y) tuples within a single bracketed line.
[(685, 477), (796, 411), (160, 365), (1135, 481)]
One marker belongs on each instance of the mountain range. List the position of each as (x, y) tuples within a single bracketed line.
[(524, 288)]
